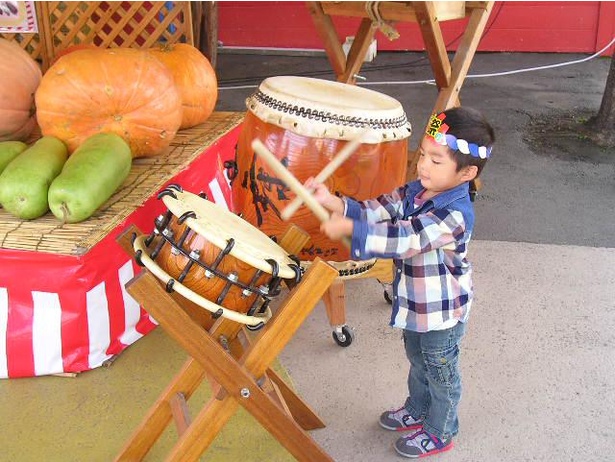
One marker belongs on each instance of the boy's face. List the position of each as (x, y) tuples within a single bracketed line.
[(437, 169)]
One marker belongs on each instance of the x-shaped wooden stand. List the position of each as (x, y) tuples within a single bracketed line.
[(449, 76), (237, 367)]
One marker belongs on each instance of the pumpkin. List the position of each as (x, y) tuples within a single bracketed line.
[(195, 78), (118, 90), (70, 49), (20, 76)]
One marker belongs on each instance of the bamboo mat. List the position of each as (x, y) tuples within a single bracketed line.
[(146, 178)]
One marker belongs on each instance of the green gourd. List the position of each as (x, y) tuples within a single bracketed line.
[(9, 150), (25, 181), (93, 172)]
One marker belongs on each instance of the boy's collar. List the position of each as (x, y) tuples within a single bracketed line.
[(445, 197)]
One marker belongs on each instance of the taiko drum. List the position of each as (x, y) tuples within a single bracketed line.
[(216, 254), (305, 122)]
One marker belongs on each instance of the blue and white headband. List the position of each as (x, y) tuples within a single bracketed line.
[(437, 129)]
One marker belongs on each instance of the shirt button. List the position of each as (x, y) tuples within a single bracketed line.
[(357, 253), (398, 270)]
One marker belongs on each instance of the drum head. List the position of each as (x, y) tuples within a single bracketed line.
[(324, 109), (218, 225)]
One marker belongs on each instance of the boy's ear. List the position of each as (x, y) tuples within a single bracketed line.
[(469, 172)]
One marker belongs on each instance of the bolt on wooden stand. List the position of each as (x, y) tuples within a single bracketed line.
[(238, 368)]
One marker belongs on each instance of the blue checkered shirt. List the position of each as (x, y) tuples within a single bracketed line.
[(432, 287)]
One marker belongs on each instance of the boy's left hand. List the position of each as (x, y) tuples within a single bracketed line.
[(337, 227)]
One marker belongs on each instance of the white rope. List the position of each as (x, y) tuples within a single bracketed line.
[(469, 76), (497, 74)]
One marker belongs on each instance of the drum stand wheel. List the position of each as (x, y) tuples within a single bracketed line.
[(343, 335), (334, 299), (386, 292)]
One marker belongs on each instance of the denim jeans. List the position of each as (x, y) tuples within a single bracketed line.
[(434, 380)]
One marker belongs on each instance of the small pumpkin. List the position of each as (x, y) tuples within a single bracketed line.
[(20, 76), (117, 90), (195, 79)]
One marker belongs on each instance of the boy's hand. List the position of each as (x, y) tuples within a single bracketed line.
[(337, 227), (322, 195)]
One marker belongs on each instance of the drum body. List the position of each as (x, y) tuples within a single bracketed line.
[(305, 122), (217, 255)]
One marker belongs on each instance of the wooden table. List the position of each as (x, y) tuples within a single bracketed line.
[(449, 76)]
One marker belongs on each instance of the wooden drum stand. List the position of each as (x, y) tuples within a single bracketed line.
[(238, 368)]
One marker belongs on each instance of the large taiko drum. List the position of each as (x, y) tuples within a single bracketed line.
[(305, 122), (214, 258)]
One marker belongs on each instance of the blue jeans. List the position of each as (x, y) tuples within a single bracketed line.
[(434, 381)]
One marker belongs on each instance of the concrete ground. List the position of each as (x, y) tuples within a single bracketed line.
[(538, 358)]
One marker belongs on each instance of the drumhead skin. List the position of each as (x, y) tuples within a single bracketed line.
[(324, 109), (218, 225)]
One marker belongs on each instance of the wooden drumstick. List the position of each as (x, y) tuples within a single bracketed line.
[(325, 173), (321, 213)]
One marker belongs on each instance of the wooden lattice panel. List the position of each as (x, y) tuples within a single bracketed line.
[(105, 24), (33, 44)]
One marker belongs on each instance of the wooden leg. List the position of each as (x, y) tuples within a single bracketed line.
[(238, 378), (335, 303), (463, 57), (358, 51), (326, 31), (159, 415), (449, 77)]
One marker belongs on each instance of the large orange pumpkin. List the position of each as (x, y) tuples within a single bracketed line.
[(195, 78), (118, 90), (19, 79)]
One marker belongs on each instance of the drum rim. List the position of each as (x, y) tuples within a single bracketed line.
[(240, 250), (315, 118)]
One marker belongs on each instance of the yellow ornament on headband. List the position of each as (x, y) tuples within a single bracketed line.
[(437, 130)]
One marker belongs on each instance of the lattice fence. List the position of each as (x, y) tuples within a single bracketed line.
[(105, 24)]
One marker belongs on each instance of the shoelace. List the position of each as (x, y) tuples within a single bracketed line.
[(424, 442)]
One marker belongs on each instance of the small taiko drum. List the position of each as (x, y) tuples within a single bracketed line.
[(305, 122), (214, 258)]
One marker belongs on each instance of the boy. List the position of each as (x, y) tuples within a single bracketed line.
[(424, 227)]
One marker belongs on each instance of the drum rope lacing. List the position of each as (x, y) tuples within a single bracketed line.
[(143, 259), (397, 122), (349, 268)]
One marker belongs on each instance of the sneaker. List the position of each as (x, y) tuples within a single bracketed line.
[(421, 444), (399, 420)]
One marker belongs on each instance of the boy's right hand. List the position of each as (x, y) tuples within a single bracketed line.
[(324, 197)]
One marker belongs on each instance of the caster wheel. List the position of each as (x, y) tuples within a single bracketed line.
[(387, 297), (343, 337)]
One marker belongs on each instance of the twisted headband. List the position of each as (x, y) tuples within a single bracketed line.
[(437, 129)]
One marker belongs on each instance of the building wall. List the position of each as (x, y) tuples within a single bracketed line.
[(565, 27)]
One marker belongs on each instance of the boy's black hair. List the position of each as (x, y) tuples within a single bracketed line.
[(469, 124)]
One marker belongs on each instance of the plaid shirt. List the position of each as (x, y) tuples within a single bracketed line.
[(433, 280)]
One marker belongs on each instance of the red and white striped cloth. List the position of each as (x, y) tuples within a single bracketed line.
[(62, 314)]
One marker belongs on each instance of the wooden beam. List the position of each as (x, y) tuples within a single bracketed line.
[(394, 11), (463, 57)]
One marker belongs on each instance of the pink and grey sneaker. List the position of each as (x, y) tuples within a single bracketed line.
[(399, 420), (421, 444)]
